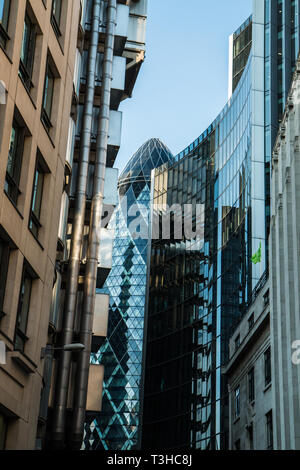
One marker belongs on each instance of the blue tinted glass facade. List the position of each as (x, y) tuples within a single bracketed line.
[(117, 426), (195, 296), (196, 299)]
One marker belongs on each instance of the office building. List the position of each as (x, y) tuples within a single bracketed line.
[(202, 294), (110, 51), (37, 60)]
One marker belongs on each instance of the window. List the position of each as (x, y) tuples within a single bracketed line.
[(4, 18), (251, 385), (15, 156), (269, 426), (251, 321), (4, 260), (48, 96), (27, 51), (37, 194), (267, 298), (23, 309), (250, 436), (268, 375), (237, 445), (56, 16), (237, 342), (237, 402), (3, 431)]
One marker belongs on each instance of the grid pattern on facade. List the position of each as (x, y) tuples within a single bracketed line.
[(117, 426)]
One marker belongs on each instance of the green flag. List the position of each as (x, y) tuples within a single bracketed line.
[(257, 257)]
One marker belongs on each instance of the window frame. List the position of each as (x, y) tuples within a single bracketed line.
[(269, 430), (251, 385), (46, 118), (268, 366), (56, 22), (251, 322), (20, 334), (42, 169), (5, 251), (12, 179), (3, 431), (237, 402), (26, 68), (4, 37)]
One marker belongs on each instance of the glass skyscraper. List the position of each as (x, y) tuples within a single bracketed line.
[(117, 426), (197, 296)]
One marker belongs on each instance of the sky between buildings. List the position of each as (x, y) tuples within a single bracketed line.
[(183, 83)]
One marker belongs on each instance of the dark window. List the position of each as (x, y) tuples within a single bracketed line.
[(56, 16), (23, 310), (269, 425), (4, 260), (37, 195), (27, 51), (238, 445), (267, 298), (15, 156), (237, 402), (251, 386), (48, 96), (250, 436), (268, 375), (4, 18), (3, 429), (251, 321)]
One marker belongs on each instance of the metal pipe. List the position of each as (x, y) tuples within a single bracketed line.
[(62, 382), (82, 371)]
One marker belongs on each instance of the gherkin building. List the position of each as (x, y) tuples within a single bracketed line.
[(116, 427)]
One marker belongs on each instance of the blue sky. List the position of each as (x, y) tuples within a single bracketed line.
[(183, 83)]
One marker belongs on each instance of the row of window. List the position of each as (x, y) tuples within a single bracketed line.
[(13, 173), (251, 382), (27, 54)]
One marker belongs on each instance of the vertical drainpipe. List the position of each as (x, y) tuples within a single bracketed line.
[(63, 375), (82, 371)]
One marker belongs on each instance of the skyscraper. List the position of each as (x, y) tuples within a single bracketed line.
[(117, 426), (195, 302)]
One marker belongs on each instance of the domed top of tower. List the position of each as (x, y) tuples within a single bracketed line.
[(152, 154)]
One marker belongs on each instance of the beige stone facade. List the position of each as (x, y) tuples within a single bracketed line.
[(285, 269), (34, 121)]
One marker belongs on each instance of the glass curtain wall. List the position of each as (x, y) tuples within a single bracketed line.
[(196, 295), (117, 426)]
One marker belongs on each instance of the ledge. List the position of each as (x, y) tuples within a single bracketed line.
[(23, 362)]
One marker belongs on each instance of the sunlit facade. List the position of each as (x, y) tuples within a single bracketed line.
[(196, 297)]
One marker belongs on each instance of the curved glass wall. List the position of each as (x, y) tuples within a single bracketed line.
[(195, 296), (117, 426)]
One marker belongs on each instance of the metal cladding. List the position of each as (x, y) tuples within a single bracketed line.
[(62, 384), (82, 371)]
